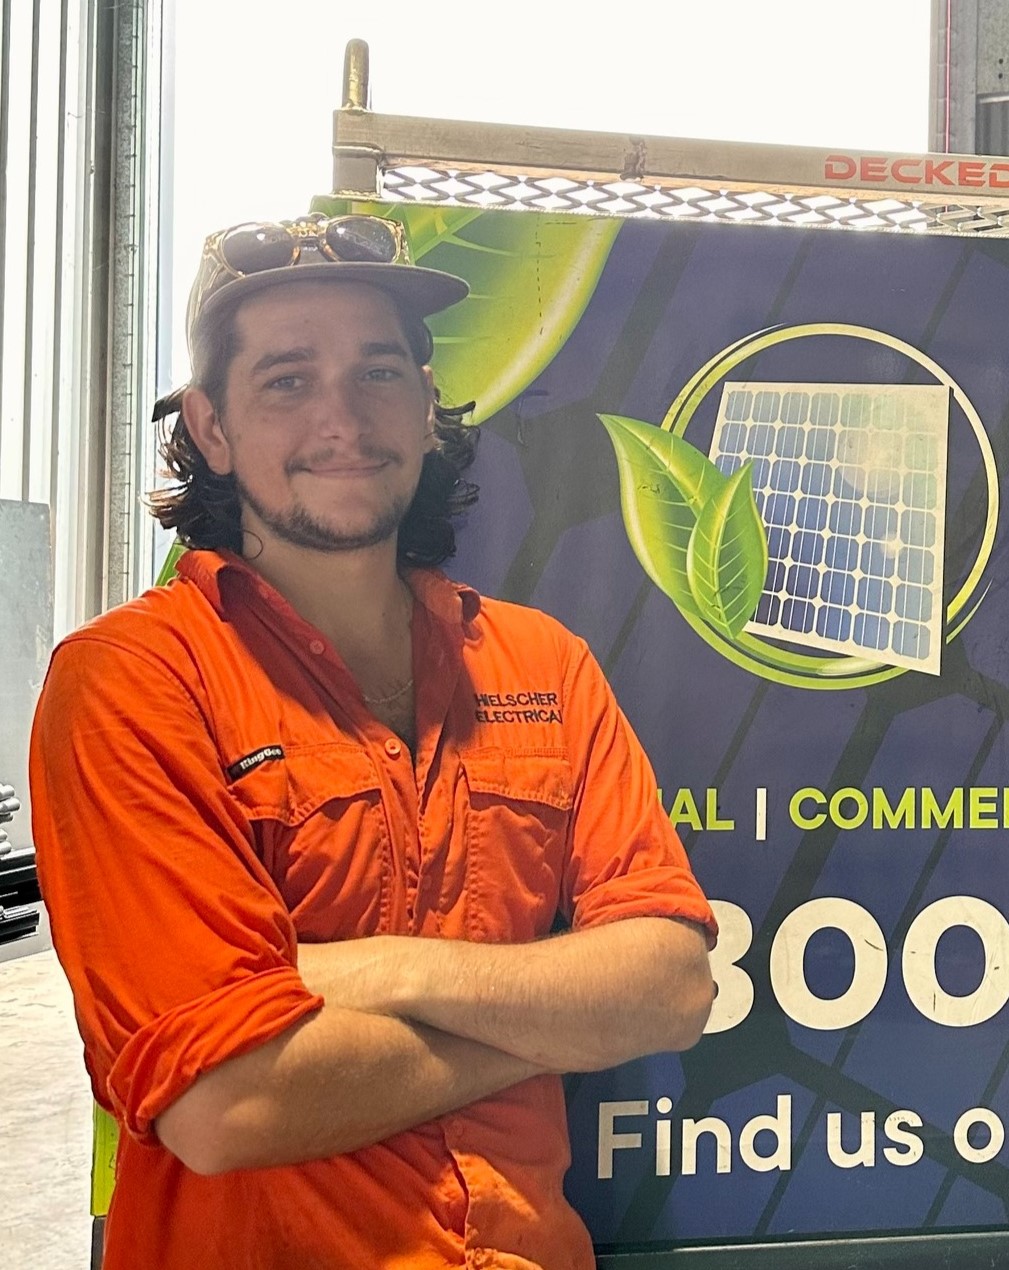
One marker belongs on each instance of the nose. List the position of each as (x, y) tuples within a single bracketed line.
[(339, 412)]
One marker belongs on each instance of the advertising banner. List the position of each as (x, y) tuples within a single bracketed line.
[(758, 470)]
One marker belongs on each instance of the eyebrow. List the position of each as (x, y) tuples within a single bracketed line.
[(289, 356), (284, 358), (385, 348)]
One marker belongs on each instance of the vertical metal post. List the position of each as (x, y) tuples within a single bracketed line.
[(58, 243), (991, 116), (969, 93), (5, 61), (33, 145), (356, 76), (99, 93), (63, 191), (953, 87), (165, 193), (355, 167), (134, 240)]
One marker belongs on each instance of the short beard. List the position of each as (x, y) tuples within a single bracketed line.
[(301, 529)]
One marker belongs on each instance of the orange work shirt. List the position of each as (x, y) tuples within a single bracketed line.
[(209, 787)]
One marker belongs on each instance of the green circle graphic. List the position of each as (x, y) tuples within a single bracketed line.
[(803, 670)]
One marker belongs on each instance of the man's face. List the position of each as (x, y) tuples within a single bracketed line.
[(327, 417)]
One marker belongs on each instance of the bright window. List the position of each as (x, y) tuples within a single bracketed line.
[(256, 85)]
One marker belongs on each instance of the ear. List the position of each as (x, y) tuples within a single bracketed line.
[(204, 426), (430, 437)]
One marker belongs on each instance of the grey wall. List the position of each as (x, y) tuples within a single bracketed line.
[(970, 77), (26, 625)]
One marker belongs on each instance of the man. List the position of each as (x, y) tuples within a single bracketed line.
[(301, 881)]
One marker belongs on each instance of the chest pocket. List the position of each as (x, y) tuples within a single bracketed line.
[(319, 828), (517, 817)]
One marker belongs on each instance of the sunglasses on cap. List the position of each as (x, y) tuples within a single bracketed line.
[(245, 250), (354, 248)]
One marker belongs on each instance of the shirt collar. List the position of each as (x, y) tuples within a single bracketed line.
[(441, 596), (445, 599)]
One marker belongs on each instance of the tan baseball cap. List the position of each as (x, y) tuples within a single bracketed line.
[(244, 259)]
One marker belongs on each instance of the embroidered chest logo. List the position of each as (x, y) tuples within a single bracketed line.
[(251, 761), (518, 707)]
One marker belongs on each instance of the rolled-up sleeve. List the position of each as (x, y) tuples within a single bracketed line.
[(624, 857), (177, 944)]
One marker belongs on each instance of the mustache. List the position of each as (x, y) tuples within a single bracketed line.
[(319, 458)]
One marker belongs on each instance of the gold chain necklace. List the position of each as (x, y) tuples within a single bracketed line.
[(384, 701)]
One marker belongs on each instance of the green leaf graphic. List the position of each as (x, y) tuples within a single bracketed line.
[(664, 486), (168, 570), (531, 277), (727, 555)]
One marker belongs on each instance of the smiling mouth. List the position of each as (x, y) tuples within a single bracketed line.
[(346, 469), (337, 471)]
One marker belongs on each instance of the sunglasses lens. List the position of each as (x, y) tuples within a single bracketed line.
[(365, 238), (252, 248)]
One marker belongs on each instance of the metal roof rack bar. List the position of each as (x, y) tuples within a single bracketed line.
[(439, 160)]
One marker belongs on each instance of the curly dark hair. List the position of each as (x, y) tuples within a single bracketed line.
[(205, 511)]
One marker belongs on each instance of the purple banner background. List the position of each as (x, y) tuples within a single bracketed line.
[(548, 531)]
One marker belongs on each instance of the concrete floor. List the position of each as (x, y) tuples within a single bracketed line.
[(45, 1120)]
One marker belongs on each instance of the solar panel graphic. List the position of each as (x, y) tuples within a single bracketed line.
[(850, 481)]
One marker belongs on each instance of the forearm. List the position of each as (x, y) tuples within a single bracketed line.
[(580, 1002), (338, 1081)]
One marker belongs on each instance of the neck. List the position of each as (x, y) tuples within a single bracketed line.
[(355, 598)]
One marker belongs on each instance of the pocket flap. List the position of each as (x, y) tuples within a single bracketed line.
[(536, 776), (293, 787)]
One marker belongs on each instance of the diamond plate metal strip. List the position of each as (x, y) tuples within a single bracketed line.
[(663, 200)]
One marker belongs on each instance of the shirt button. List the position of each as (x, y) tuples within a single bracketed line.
[(393, 747), (317, 647)]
